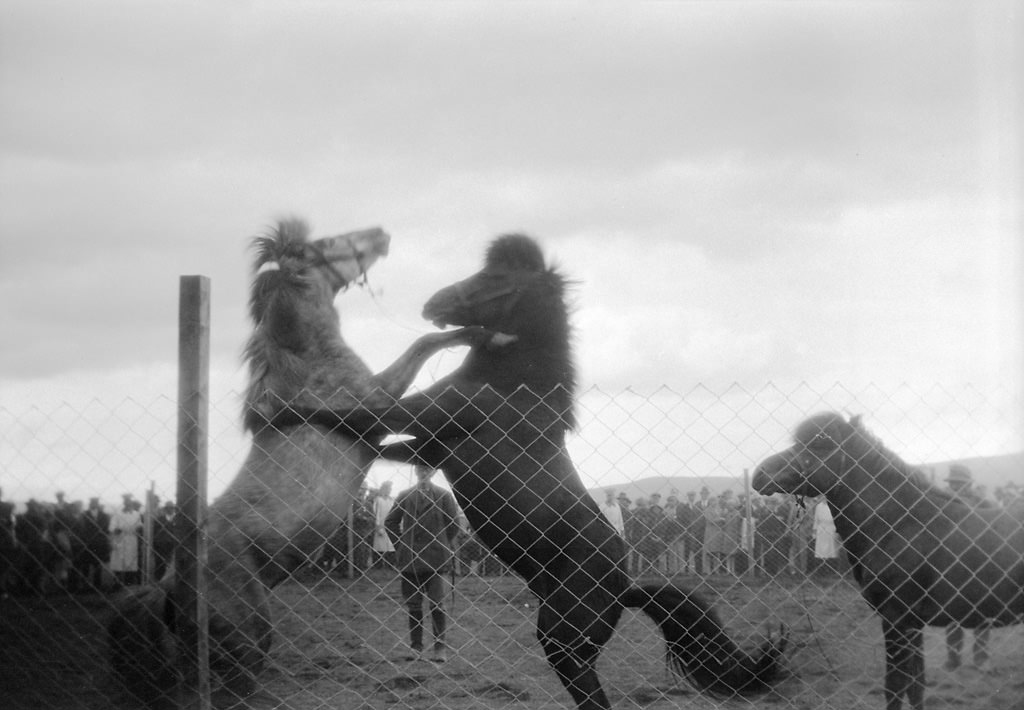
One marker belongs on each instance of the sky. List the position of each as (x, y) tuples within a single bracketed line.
[(768, 209)]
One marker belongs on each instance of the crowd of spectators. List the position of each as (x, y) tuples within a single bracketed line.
[(707, 534), (69, 546), (700, 534)]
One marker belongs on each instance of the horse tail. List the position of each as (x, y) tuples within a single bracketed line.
[(699, 647), (141, 641)]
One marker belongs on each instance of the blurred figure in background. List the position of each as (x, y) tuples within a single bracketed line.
[(732, 528), (670, 531), (383, 549), (423, 524), (692, 524), (961, 485), (9, 557), (800, 524), (95, 535), (716, 546), (647, 545), (629, 526), (771, 542), (826, 541), (164, 539), (613, 512), (125, 526)]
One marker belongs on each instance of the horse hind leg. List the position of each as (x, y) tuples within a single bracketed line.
[(575, 667), (573, 653)]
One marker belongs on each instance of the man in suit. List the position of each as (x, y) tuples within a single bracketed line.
[(692, 524), (423, 524)]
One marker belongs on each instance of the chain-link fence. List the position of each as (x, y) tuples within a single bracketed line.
[(673, 465)]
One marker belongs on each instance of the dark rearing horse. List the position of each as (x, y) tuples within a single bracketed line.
[(920, 555), (497, 428)]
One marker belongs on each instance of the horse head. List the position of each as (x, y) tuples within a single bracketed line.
[(334, 261), (814, 463), (515, 293), (521, 299)]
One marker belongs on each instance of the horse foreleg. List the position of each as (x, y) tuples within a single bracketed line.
[(443, 412), (397, 377), (904, 666)]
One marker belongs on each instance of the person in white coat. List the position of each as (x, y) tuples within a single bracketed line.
[(613, 512), (826, 540), (125, 526), (382, 546)]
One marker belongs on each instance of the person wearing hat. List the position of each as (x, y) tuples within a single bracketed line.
[(125, 527), (8, 546), (671, 531), (422, 525), (95, 532), (628, 524), (961, 485), (654, 545), (691, 519), (613, 512)]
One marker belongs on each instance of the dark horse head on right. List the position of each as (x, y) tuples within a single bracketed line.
[(519, 295)]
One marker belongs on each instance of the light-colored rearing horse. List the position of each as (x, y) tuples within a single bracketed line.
[(296, 484)]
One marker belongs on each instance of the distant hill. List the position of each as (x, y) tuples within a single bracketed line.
[(989, 471)]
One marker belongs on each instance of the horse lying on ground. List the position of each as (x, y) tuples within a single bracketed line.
[(921, 556), (497, 428), (297, 483)]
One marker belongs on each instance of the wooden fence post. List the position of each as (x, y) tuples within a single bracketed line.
[(190, 562)]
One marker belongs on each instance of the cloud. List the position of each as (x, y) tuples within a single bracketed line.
[(746, 192)]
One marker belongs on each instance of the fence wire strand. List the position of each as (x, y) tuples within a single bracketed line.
[(83, 521)]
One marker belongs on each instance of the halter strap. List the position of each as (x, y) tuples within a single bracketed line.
[(843, 467), (331, 268), (513, 289)]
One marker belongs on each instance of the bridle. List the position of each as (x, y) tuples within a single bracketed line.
[(324, 261), (805, 460), (465, 299)]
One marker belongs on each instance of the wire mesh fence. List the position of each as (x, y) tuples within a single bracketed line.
[(88, 513)]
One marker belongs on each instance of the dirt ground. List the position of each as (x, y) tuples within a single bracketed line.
[(340, 645)]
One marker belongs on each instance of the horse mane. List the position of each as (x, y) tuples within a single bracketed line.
[(869, 451), (283, 247), (519, 252)]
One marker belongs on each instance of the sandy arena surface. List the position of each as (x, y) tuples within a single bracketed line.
[(340, 645)]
